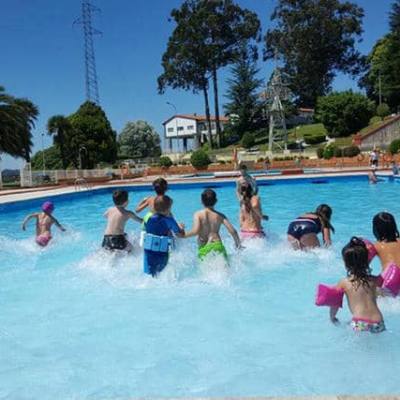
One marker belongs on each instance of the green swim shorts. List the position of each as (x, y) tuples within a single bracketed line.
[(212, 247)]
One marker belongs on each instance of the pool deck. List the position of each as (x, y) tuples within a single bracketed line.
[(15, 195)]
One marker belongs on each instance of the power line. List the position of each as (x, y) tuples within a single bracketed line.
[(91, 81)]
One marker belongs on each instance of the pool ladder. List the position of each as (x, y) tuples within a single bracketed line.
[(81, 184)]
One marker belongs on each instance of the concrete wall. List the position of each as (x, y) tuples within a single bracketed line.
[(383, 137)]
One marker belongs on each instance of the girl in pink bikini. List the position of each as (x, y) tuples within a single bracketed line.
[(251, 215), (44, 221)]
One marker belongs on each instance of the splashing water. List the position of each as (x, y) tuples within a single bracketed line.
[(79, 322)]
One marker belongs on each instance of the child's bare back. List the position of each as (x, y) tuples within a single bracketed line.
[(209, 223)]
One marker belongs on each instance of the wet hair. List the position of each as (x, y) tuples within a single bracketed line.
[(324, 213), (120, 197), (209, 198), (247, 193), (162, 204), (384, 227), (355, 257), (243, 167), (160, 186)]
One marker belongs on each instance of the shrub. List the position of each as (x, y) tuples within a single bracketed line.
[(199, 159), (222, 162), (344, 113), (261, 159), (337, 152), (329, 151), (314, 139), (248, 140), (374, 120), (165, 162), (320, 152), (382, 110), (351, 151), (394, 147)]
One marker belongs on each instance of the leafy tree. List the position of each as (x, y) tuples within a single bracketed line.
[(394, 18), (394, 146), (344, 113), (91, 136), (138, 140), (208, 36), (248, 140), (244, 102), (17, 118), (315, 39), (60, 127), (52, 156), (382, 110), (382, 76)]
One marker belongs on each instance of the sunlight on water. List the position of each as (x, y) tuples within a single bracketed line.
[(80, 322)]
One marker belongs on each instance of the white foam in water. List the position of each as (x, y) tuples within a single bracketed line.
[(82, 322)]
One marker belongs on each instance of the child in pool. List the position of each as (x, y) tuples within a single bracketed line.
[(117, 217), (360, 289), (302, 232), (160, 186), (251, 215), (388, 244), (159, 227), (44, 221), (206, 226), (245, 177)]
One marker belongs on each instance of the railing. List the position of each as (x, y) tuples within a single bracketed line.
[(81, 184)]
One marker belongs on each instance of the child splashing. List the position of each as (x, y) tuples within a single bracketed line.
[(251, 215), (302, 232), (44, 221), (160, 186), (360, 289), (388, 244)]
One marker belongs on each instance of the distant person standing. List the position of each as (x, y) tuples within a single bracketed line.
[(374, 158), (395, 168), (245, 177)]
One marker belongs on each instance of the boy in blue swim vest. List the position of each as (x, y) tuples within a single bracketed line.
[(159, 228)]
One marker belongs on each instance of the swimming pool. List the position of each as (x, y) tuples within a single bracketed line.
[(78, 323)]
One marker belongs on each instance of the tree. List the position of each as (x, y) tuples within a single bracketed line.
[(315, 39), (139, 140), (394, 18), (91, 137), (244, 102), (52, 156), (344, 113), (382, 79), (60, 127), (17, 119), (208, 36)]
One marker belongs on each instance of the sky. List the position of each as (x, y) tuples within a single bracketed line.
[(43, 58)]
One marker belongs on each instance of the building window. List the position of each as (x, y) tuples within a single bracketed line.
[(170, 129), (180, 128), (190, 127)]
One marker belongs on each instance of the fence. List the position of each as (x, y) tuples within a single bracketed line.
[(31, 178)]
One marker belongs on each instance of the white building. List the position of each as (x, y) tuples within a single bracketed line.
[(189, 129)]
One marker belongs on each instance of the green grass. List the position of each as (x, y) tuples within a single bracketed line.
[(371, 127), (312, 130)]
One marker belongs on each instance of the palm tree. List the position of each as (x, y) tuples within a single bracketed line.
[(60, 126), (17, 118)]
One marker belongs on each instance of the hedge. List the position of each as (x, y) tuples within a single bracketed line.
[(199, 159)]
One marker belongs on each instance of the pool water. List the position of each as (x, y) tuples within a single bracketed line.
[(77, 323)]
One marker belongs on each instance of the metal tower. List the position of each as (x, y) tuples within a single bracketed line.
[(92, 89), (277, 92)]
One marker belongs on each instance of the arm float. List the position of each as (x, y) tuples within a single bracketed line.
[(329, 296), (391, 280), (371, 249)]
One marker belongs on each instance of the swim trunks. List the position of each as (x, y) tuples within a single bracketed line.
[(212, 247), (303, 226), (366, 325), (245, 234), (114, 242), (43, 240)]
